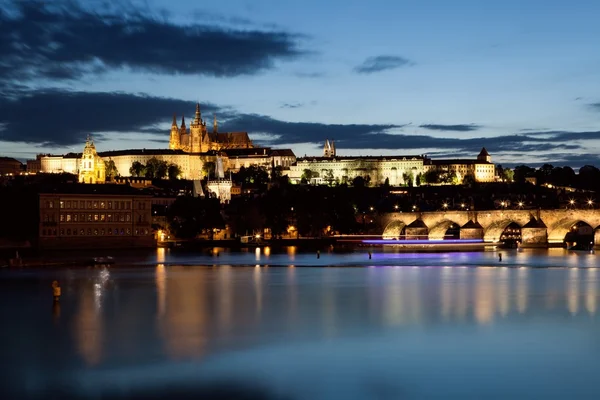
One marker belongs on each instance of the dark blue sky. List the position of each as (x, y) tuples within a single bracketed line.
[(380, 77)]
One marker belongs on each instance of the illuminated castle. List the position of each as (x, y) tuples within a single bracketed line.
[(197, 139)]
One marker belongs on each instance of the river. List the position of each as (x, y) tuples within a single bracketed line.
[(269, 324)]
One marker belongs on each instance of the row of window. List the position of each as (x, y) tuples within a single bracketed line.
[(94, 232), (93, 204), (101, 217)]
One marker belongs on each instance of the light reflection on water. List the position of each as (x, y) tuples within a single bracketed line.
[(220, 314)]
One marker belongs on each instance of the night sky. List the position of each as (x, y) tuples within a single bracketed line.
[(436, 77)]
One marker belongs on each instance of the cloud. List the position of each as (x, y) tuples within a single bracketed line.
[(302, 132), (61, 40), (595, 106), (297, 104), (382, 63), (309, 74), (57, 117), (292, 105), (453, 128)]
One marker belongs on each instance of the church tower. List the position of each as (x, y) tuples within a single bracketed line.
[(91, 167), (329, 149), (484, 156), (197, 130), (174, 142), (215, 124)]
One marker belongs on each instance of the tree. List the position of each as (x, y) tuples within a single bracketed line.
[(508, 175), (328, 177), (521, 172), (190, 216), (162, 168), (173, 171), (500, 171), (137, 169), (359, 181), (408, 178), (430, 177), (208, 168), (469, 179), (308, 174), (110, 169), (254, 176), (276, 173)]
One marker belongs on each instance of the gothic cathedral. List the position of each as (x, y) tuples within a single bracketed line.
[(197, 139)]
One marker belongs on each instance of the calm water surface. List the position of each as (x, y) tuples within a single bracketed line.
[(398, 326)]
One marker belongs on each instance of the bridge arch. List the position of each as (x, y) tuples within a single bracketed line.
[(493, 232), (394, 230), (438, 232), (558, 231)]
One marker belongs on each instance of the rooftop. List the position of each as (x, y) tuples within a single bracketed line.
[(373, 158), (89, 189)]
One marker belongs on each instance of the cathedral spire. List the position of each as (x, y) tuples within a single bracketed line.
[(183, 121), (198, 118), (174, 120), (215, 124)]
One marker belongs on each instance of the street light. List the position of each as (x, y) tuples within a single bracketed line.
[(521, 204), (590, 202), (445, 205), (396, 207), (572, 202), (371, 208)]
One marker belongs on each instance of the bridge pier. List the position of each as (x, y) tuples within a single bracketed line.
[(417, 230), (534, 236), (471, 230), (597, 238)]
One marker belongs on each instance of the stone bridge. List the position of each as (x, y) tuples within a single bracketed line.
[(539, 228)]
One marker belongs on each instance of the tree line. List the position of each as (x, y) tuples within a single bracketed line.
[(155, 169)]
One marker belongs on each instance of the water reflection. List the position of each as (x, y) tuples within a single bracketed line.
[(183, 324), (204, 309), (591, 292), (88, 326), (573, 291)]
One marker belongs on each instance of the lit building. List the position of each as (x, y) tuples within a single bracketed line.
[(482, 168), (85, 216), (343, 169), (197, 139), (189, 149), (396, 170), (91, 165), (219, 186), (234, 159)]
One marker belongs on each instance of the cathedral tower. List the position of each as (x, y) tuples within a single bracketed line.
[(174, 142), (329, 149), (197, 131)]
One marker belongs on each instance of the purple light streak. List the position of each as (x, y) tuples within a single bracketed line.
[(423, 242)]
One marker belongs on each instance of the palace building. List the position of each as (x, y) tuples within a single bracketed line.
[(189, 149), (482, 168), (376, 170)]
